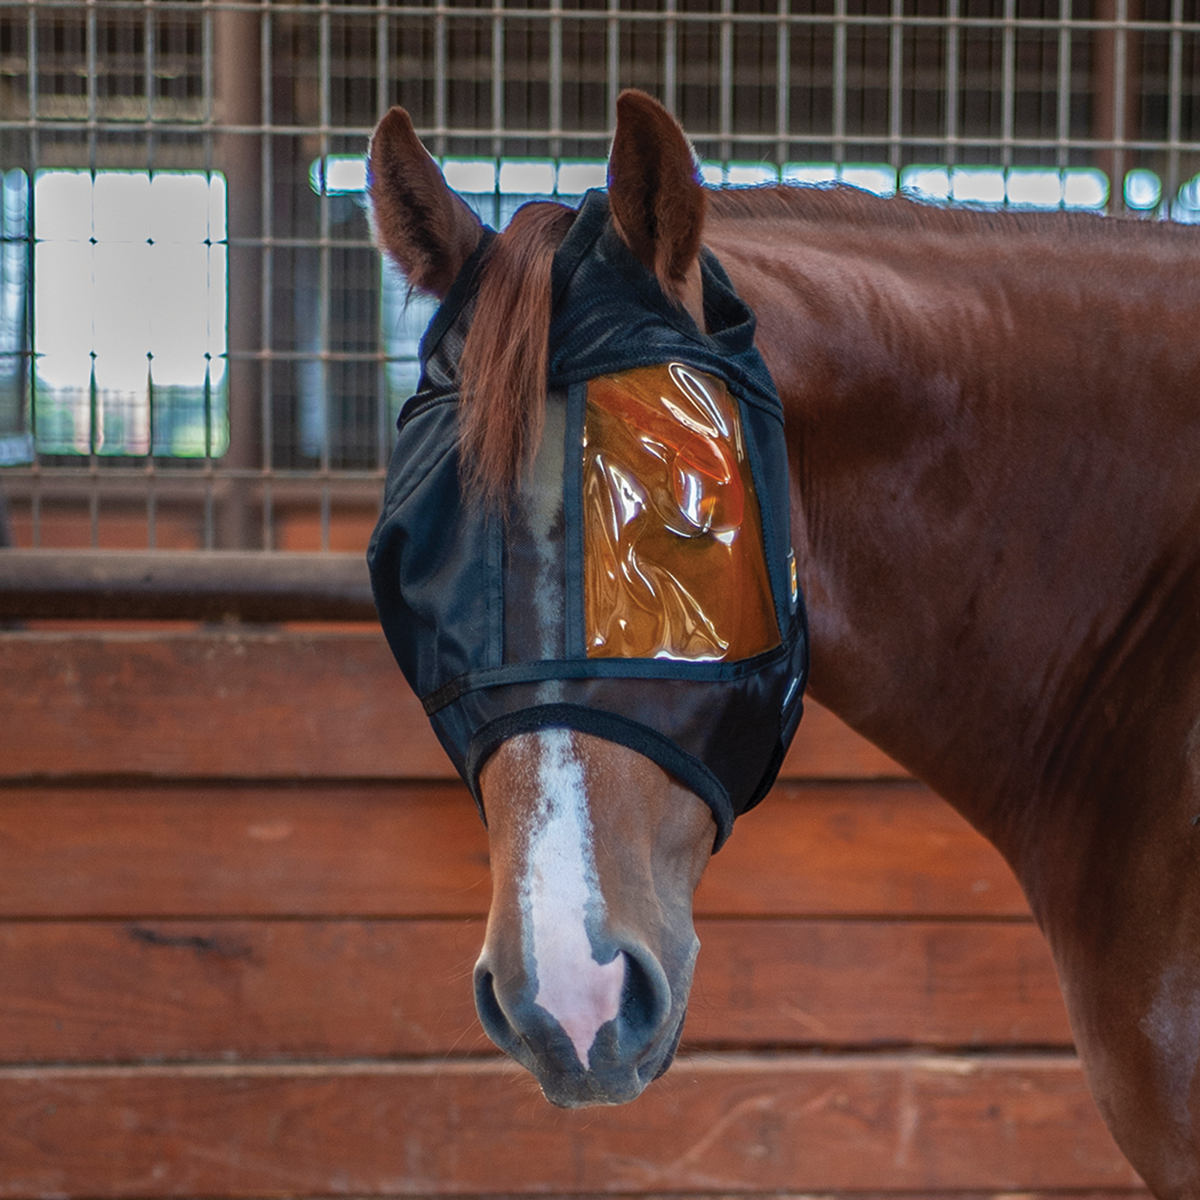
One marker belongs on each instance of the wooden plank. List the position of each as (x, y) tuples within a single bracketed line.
[(372, 849), (127, 991), (858, 849), (716, 1123), (420, 850), (248, 705), (235, 705), (843, 983)]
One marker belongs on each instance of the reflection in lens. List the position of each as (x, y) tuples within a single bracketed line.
[(674, 565)]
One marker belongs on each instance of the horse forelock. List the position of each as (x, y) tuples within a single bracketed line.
[(505, 357)]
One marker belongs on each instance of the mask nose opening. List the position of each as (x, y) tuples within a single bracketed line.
[(610, 727)]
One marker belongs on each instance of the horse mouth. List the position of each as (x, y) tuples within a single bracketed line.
[(669, 1057), (609, 1083)]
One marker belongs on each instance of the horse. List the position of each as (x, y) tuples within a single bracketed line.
[(993, 439)]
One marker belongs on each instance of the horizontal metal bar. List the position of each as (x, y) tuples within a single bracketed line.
[(603, 137), (287, 12), (20, 481), (214, 585)]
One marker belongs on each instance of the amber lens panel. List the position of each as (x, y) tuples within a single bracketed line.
[(674, 565)]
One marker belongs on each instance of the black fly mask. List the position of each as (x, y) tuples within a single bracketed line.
[(641, 587)]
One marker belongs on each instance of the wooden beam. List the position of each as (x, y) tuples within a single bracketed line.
[(219, 585), (737, 1123), (124, 991), (249, 704), (420, 850)]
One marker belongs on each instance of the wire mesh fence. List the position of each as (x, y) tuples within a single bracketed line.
[(199, 347)]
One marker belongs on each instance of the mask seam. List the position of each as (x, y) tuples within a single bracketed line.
[(605, 668)]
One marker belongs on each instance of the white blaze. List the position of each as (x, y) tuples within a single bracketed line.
[(561, 889)]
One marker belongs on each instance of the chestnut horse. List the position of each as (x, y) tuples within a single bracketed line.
[(993, 426)]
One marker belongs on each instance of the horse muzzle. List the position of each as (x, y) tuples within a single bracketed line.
[(554, 1028)]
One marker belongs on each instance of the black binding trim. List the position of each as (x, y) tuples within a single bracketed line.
[(611, 727)]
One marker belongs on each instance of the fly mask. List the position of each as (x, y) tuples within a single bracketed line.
[(641, 586)]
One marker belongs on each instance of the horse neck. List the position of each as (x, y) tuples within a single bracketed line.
[(994, 443)]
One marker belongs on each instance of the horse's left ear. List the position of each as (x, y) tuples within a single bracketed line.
[(654, 191), (425, 227)]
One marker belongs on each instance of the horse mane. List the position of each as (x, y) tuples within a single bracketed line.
[(841, 204), (504, 360)]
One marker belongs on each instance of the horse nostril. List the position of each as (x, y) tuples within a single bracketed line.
[(491, 1015), (485, 996), (646, 999)]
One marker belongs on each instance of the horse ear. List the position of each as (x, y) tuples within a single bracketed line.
[(426, 228), (654, 189)]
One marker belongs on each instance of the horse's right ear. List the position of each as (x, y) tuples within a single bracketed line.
[(654, 190), (425, 227)]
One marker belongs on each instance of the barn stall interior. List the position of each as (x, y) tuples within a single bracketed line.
[(241, 890)]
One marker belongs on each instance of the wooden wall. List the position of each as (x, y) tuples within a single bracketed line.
[(240, 898)]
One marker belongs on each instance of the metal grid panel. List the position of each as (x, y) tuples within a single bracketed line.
[(294, 411)]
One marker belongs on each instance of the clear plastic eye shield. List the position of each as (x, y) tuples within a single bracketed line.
[(641, 587)]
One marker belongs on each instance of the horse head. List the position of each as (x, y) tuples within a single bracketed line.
[(604, 785)]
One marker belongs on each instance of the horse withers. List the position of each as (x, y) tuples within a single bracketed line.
[(992, 431)]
